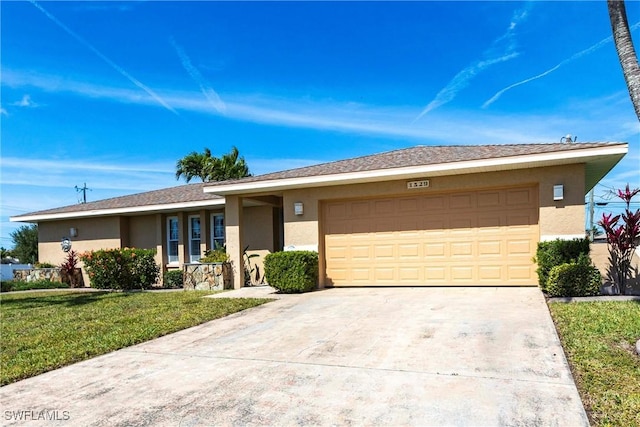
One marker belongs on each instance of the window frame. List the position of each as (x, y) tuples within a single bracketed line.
[(213, 236), (195, 257), (173, 259)]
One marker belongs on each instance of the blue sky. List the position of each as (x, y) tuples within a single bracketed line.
[(113, 93)]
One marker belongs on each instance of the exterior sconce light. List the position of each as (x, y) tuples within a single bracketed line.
[(558, 192), (298, 208), (73, 232)]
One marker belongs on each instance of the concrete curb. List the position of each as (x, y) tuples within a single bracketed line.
[(595, 299)]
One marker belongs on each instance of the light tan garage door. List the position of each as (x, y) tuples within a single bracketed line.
[(485, 237)]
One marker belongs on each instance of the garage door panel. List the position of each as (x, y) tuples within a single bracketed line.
[(485, 238)]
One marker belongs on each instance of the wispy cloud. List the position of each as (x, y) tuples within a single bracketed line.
[(502, 49), (3, 112), (25, 102), (573, 57), (206, 89), (452, 127), (113, 65)]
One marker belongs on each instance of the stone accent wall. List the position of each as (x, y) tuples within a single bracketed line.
[(35, 274), (51, 274), (207, 277)]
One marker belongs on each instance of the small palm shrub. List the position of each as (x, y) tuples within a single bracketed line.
[(292, 271)]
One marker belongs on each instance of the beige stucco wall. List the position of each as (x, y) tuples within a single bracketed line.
[(93, 234), (142, 232), (556, 218)]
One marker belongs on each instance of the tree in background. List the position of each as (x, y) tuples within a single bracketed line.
[(626, 52), (210, 168), (25, 243)]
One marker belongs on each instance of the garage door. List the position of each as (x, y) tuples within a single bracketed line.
[(484, 237)]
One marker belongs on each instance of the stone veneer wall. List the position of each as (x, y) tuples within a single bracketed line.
[(53, 274), (209, 277)]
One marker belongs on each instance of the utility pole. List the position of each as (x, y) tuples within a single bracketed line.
[(591, 211), (83, 189)]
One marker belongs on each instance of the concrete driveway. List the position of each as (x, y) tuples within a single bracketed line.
[(408, 356)]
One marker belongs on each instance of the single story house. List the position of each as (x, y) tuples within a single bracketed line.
[(426, 215)]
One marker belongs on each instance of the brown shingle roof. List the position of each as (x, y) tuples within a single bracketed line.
[(418, 156), (414, 156), (179, 194)]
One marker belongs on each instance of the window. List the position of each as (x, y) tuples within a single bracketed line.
[(194, 239), (172, 239), (217, 230)]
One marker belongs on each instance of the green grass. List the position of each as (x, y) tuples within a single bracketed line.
[(18, 285), (43, 331), (599, 338)]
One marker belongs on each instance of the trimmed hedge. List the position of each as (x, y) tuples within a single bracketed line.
[(292, 271), (18, 285), (574, 279), (556, 252), (173, 279)]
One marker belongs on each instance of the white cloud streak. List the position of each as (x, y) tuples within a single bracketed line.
[(113, 65), (25, 102), (454, 127), (572, 58), (206, 89), (3, 112), (464, 77)]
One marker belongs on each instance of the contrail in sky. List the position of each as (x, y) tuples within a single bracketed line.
[(205, 87), (104, 58), (463, 78), (573, 57)]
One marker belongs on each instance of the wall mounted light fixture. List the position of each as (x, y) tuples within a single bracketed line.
[(298, 208), (558, 192), (73, 232)]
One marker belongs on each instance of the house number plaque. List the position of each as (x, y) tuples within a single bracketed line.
[(418, 184)]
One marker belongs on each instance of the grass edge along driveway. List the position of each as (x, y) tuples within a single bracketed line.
[(42, 331), (598, 339)]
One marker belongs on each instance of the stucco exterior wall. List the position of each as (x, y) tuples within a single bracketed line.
[(142, 232), (563, 218), (93, 234)]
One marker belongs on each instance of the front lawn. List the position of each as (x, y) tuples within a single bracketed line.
[(599, 340), (44, 331)]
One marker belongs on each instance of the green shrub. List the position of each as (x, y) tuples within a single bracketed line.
[(44, 265), (292, 271), (121, 268), (574, 279), (19, 285), (217, 255), (6, 286), (556, 252), (173, 279)]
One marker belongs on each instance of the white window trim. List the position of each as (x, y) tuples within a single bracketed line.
[(213, 230), (177, 255), (191, 240)]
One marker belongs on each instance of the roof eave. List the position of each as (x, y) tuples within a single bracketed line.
[(607, 157), (168, 207)]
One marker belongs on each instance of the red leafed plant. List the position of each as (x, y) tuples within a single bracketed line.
[(623, 238), (68, 268)]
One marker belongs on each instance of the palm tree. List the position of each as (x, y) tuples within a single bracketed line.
[(230, 166), (209, 168), (626, 52), (194, 165)]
